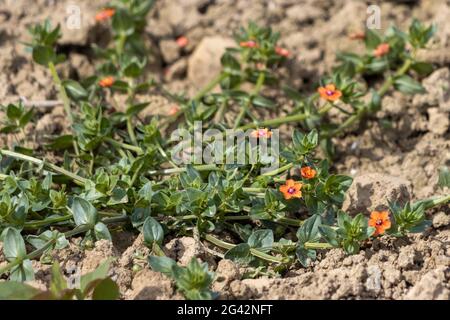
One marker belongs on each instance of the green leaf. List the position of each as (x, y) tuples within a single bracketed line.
[(444, 177), (261, 239), (122, 23), (230, 64), (305, 256), (309, 231), (162, 264), (260, 101), (22, 272), (25, 119), (84, 213), (422, 68), (43, 55), (13, 245), (240, 254), (10, 290), (74, 90), (58, 283), (100, 273), (106, 289), (408, 85), (13, 112), (329, 235), (136, 108), (61, 142), (101, 231), (372, 39), (153, 232), (375, 101)]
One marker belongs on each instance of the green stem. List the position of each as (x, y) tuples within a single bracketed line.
[(210, 86), (255, 252), (204, 167), (434, 201), (65, 99), (42, 223), (286, 119), (130, 130), (390, 81), (246, 106), (76, 178), (118, 144), (49, 243), (254, 190), (279, 170)]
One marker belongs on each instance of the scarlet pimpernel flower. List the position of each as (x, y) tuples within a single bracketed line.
[(329, 92), (380, 221), (282, 52), (308, 172), (106, 82), (173, 110), (291, 189), (262, 133), (357, 35), (381, 50), (248, 44), (182, 41), (105, 14)]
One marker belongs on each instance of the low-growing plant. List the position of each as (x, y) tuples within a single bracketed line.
[(194, 280), (95, 285), (115, 167)]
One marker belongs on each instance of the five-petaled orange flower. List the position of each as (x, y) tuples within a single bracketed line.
[(329, 92), (357, 35), (105, 14), (291, 189), (106, 82), (262, 133), (182, 41), (248, 44), (381, 50), (173, 110), (308, 172), (380, 221), (282, 52)]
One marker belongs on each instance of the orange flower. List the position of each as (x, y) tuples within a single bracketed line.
[(308, 172), (106, 82), (381, 50), (182, 41), (380, 221), (291, 189), (262, 133), (105, 14), (282, 52), (329, 92), (173, 111), (248, 44), (357, 35)]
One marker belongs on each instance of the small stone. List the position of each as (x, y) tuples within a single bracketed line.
[(170, 51), (176, 70), (183, 249), (374, 191), (150, 285), (204, 64), (226, 272), (441, 219), (406, 258), (431, 286), (438, 122)]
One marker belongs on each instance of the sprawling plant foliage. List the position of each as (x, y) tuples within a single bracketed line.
[(116, 168)]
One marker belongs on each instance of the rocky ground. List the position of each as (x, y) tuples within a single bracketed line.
[(395, 155)]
